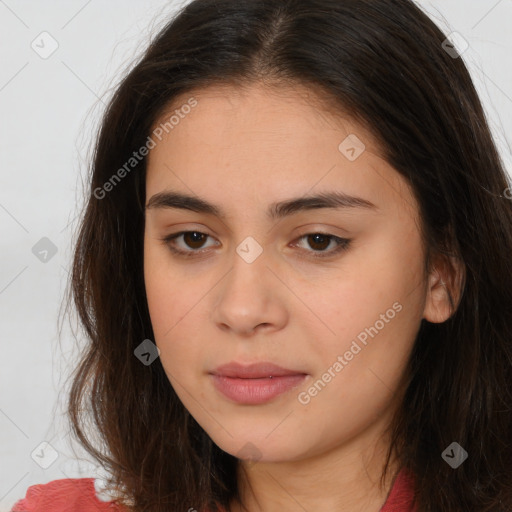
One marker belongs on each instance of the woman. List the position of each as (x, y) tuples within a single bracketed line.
[(294, 271)]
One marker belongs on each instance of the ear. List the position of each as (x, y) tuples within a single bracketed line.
[(445, 288)]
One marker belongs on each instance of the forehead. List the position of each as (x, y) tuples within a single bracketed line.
[(269, 102), (256, 142)]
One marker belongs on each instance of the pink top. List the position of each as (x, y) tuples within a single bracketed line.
[(79, 495)]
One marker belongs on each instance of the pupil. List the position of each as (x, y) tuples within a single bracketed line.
[(193, 235), (321, 237), (198, 238)]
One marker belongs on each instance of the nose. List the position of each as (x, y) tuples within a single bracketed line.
[(250, 299)]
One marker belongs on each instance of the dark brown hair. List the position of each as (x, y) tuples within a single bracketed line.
[(383, 63)]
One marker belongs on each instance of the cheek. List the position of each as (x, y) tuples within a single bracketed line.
[(179, 352), (164, 293), (358, 369), (368, 313), (160, 294), (174, 303), (167, 292)]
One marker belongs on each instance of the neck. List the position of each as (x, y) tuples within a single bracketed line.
[(344, 479)]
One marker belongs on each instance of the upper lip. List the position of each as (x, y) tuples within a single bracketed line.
[(253, 371)]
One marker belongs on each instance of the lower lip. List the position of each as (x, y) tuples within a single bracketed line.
[(256, 391)]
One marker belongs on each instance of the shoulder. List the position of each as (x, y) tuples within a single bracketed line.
[(65, 495), (401, 495)]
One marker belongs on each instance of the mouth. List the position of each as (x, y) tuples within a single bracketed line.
[(256, 383), (254, 371)]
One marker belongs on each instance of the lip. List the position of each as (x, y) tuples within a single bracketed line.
[(254, 371), (256, 383)]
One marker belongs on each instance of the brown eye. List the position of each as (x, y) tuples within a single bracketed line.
[(194, 239), (318, 241), (193, 244)]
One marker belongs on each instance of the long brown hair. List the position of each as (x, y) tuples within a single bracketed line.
[(383, 63)]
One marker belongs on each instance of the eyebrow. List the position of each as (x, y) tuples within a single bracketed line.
[(334, 200)]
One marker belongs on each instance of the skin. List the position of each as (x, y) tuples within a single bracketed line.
[(243, 150)]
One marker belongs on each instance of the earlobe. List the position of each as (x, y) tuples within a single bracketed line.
[(444, 291)]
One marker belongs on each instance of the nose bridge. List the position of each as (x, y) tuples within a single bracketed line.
[(248, 272), (246, 297), (249, 250)]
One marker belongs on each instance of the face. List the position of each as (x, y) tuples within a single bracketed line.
[(333, 292)]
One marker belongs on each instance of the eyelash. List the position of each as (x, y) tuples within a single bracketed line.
[(343, 244)]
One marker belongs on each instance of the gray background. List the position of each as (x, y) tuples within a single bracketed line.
[(50, 108)]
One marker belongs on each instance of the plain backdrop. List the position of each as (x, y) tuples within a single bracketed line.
[(50, 106)]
